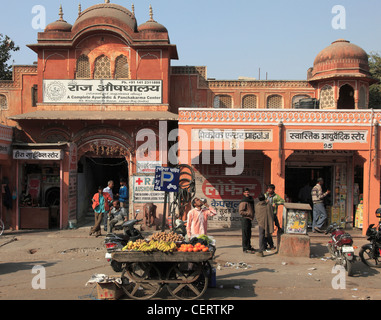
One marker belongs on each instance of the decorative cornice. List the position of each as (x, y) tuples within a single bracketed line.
[(274, 117)]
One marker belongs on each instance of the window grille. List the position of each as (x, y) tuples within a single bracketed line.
[(223, 101), (121, 68), (249, 102), (275, 102), (83, 67), (3, 102), (102, 68), (327, 99)]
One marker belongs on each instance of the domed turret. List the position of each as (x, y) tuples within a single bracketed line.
[(105, 14), (60, 25), (151, 25), (340, 58)]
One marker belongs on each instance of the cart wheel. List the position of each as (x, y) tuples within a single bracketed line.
[(144, 280), (187, 281)]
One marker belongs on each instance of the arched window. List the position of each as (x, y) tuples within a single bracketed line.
[(327, 99), (274, 102), (249, 101), (222, 101), (121, 68), (83, 67), (296, 99), (102, 68), (3, 102)]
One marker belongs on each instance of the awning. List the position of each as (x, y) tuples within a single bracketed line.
[(96, 115)]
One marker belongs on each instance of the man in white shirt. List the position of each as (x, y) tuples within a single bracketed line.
[(108, 189)]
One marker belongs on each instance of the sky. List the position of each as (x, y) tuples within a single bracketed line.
[(240, 38)]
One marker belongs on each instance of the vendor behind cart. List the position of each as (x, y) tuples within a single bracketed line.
[(198, 217)]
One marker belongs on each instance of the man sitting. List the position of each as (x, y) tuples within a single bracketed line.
[(117, 214)]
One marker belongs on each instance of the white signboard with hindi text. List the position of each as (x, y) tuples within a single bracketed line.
[(37, 154), (103, 91)]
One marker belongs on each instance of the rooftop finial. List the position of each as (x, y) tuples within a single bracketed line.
[(79, 9), (133, 9), (151, 13), (61, 13), (107, 1)]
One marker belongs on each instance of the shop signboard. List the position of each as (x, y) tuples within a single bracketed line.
[(327, 137), (143, 190), (103, 91), (147, 166), (295, 217), (32, 154)]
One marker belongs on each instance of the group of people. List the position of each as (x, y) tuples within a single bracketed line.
[(107, 205), (265, 212)]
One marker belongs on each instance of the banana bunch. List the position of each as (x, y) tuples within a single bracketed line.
[(152, 246), (133, 246), (166, 246)]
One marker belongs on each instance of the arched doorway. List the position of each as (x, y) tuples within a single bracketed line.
[(346, 97), (104, 154)]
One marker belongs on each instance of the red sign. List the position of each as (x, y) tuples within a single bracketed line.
[(230, 188)]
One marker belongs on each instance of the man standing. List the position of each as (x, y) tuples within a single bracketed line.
[(275, 201), (319, 214), (108, 189), (198, 218), (265, 217), (247, 211), (123, 196), (101, 206)]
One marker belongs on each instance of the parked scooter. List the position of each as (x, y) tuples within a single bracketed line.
[(114, 242), (370, 253), (341, 247)]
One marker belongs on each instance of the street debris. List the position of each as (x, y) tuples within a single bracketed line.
[(8, 241), (99, 278), (81, 250), (239, 265)]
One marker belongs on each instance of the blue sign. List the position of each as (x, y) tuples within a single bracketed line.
[(167, 179)]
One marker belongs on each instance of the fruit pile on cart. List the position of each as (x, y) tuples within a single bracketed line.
[(166, 260)]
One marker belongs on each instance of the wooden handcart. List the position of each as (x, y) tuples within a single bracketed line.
[(184, 274)]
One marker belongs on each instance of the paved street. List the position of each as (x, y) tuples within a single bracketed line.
[(71, 257)]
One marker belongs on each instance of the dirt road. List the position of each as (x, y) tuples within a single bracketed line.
[(71, 257)]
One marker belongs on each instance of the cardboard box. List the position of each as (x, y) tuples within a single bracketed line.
[(109, 291)]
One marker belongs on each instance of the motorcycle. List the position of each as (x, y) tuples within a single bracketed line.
[(370, 253), (114, 242), (341, 247)]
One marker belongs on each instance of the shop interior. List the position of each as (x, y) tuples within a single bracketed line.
[(301, 179), (40, 186)]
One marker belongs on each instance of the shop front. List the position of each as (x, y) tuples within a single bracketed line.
[(291, 149), (39, 172)]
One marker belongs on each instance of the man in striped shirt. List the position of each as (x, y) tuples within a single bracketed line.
[(319, 214)]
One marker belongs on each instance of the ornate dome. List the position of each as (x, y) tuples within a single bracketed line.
[(106, 13), (60, 25), (341, 58), (341, 50), (151, 25)]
